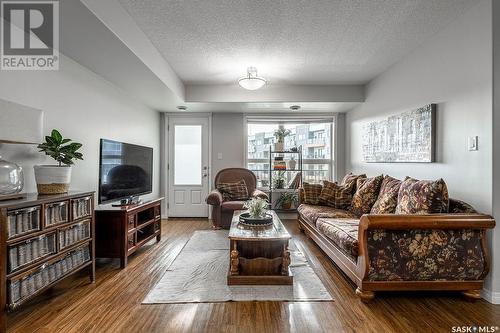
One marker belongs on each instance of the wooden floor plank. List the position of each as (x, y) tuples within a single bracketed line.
[(113, 303)]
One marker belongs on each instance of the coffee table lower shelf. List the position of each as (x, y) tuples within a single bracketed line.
[(260, 279)]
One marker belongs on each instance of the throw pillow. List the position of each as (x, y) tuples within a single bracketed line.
[(367, 190), (335, 195), (233, 191), (422, 197), (351, 179), (311, 193), (388, 197)]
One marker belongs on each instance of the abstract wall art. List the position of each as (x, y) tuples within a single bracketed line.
[(407, 137)]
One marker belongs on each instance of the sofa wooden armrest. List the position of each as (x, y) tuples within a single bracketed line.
[(432, 221), (422, 252)]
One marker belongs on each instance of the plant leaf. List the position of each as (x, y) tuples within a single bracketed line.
[(56, 136)]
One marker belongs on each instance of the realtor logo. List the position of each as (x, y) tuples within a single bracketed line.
[(30, 35)]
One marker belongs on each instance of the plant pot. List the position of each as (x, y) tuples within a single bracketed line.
[(286, 205), (52, 179), (279, 146)]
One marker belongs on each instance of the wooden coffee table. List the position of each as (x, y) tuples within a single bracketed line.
[(259, 255)]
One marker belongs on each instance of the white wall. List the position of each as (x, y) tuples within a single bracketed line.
[(495, 277), (453, 69), (228, 138), (85, 108)]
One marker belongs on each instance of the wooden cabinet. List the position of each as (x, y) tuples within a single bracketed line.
[(43, 240), (120, 231)]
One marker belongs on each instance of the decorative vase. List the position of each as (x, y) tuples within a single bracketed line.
[(292, 163), (52, 179), (279, 146), (11, 178)]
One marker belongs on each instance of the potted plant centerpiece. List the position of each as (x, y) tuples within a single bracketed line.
[(55, 179), (257, 213), (280, 134)]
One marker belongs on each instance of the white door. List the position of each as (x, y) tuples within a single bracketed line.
[(188, 167)]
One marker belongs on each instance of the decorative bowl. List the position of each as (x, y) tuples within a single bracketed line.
[(247, 220)]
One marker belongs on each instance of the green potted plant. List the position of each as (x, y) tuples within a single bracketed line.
[(55, 179), (257, 207), (280, 134), (279, 180), (287, 199)]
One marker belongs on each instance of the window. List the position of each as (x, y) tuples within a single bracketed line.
[(314, 137), (187, 154)]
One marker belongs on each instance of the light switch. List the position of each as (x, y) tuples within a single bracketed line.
[(219, 156), (472, 143)]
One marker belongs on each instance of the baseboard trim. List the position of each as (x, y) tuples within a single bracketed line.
[(492, 297)]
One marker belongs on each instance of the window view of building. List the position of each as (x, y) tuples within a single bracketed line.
[(315, 139)]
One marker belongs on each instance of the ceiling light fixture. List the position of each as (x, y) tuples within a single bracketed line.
[(252, 81), (295, 107)]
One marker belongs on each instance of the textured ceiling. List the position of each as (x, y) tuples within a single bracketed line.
[(289, 41)]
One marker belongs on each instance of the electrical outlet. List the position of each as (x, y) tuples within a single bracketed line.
[(219, 156), (472, 143)]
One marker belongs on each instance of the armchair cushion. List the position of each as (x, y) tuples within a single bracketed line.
[(422, 197), (214, 198), (234, 191)]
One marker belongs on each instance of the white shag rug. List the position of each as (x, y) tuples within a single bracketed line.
[(199, 273)]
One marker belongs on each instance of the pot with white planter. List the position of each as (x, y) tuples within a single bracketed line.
[(56, 179)]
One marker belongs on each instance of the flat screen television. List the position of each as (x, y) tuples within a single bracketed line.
[(125, 171)]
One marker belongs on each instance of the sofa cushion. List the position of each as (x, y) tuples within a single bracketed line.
[(351, 179), (388, 196), (311, 193), (233, 191), (366, 194), (336, 196), (232, 205), (343, 232), (311, 213), (422, 197), (460, 207)]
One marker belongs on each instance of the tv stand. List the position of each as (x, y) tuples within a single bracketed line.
[(120, 231), (128, 202)]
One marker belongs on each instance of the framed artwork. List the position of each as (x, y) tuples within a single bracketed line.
[(408, 137)]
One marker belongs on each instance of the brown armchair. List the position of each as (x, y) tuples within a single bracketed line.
[(222, 211)]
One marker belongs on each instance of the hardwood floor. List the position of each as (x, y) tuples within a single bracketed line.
[(113, 303)]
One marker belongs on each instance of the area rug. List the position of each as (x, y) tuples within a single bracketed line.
[(198, 275)]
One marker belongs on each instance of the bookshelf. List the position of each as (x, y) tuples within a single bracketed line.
[(283, 171), (45, 239)]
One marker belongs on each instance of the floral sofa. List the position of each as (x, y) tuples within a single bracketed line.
[(397, 235)]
